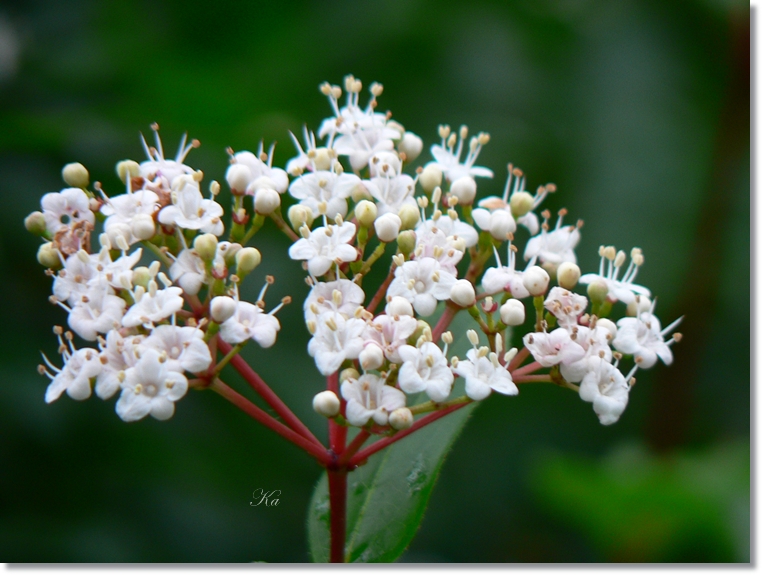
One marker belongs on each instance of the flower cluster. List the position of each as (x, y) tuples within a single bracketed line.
[(354, 196)]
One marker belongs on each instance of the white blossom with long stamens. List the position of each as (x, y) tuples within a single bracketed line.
[(447, 155), (190, 211), (554, 247), (96, 313), (184, 345), (643, 338), (325, 246), (618, 289), (391, 191), (325, 189), (506, 278), (433, 243), (153, 305), (80, 366), (484, 374), (261, 166), (117, 355), (157, 167), (558, 346)]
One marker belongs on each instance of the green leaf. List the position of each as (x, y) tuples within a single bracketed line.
[(387, 497)]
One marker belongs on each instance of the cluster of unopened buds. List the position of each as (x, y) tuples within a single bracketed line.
[(157, 303)]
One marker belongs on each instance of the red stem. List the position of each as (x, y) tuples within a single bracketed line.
[(516, 361), (528, 368), (266, 419), (272, 399), (444, 321), (379, 296), (337, 492), (386, 441), (337, 434), (353, 447), (532, 378)]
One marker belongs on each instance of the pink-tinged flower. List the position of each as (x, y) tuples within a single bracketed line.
[(565, 305), (606, 388), (390, 332), (65, 208), (325, 246), (643, 338), (506, 278), (80, 366), (550, 349), (368, 397), (150, 387)]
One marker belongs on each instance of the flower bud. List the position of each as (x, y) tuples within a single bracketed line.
[(406, 242), (371, 357), (597, 291), (399, 306), (258, 184), (409, 216), (536, 280), (229, 251), (640, 304), (238, 177), (608, 325), (326, 403), (141, 276), (48, 256), (206, 246), (142, 226), (127, 169), (420, 329), (322, 159), (366, 213), (35, 223), (75, 175), (463, 294), (465, 190), (300, 215), (401, 418), (222, 308), (388, 227), (430, 178), (410, 145), (266, 201), (246, 260), (501, 224), (349, 373), (512, 312), (521, 204), (568, 275)]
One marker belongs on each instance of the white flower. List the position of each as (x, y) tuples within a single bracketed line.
[(153, 306), (451, 226), (80, 366), (335, 339), (190, 211), (554, 247), (184, 346), (565, 305), (324, 246), (150, 387), (260, 169), (118, 272), (392, 192), (159, 168), (595, 342), (325, 188), (433, 243), (117, 355), (606, 388), (506, 278), (622, 290), (72, 281), (188, 271), (425, 369), (123, 209), (250, 322), (552, 348), (65, 208), (342, 296), (369, 397), (483, 374), (643, 338), (447, 156), (96, 313), (497, 221), (390, 332), (422, 282)]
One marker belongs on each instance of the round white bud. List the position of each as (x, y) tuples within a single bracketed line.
[(512, 312), (238, 177), (48, 256), (388, 227), (521, 204), (326, 403), (430, 178), (366, 213), (410, 145), (222, 308), (143, 227), (409, 216), (205, 246), (246, 260), (608, 325), (568, 275), (300, 215), (141, 276), (640, 304), (127, 168), (463, 294), (260, 183), (35, 223), (597, 291), (465, 190), (75, 175), (536, 280), (401, 418), (322, 159), (371, 357), (266, 201), (406, 242), (501, 224), (399, 306)]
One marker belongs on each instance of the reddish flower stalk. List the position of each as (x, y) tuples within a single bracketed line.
[(447, 316), (528, 368), (337, 434), (379, 296), (272, 399), (337, 493), (318, 452)]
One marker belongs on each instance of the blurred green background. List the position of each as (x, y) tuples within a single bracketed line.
[(636, 109)]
